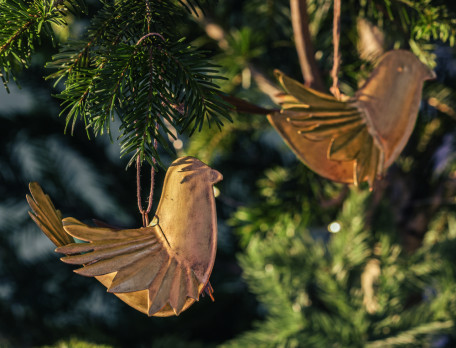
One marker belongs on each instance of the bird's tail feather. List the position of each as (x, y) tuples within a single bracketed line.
[(48, 219)]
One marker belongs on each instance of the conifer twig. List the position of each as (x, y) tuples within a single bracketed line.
[(145, 213), (20, 31), (138, 189), (409, 336), (152, 182)]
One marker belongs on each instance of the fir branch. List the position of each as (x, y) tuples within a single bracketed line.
[(410, 336), (142, 79), (23, 24), (431, 21), (19, 31), (191, 88), (323, 305), (107, 29), (423, 22)]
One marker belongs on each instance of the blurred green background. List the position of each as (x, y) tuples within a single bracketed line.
[(280, 277)]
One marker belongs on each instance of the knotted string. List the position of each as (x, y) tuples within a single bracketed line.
[(336, 57)]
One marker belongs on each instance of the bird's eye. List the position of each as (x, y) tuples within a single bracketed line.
[(400, 69)]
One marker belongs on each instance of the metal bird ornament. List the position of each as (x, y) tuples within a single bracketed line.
[(356, 140), (161, 269)]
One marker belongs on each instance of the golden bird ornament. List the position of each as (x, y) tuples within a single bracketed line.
[(356, 140), (161, 269)]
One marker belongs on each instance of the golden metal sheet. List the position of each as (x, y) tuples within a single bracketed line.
[(161, 269), (340, 140)]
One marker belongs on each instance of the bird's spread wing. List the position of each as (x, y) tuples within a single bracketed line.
[(314, 118), (140, 259), (48, 219)]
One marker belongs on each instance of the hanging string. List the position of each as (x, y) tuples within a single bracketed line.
[(145, 213), (152, 181), (336, 57), (138, 191)]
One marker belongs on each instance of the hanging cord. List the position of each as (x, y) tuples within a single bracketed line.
[(138, 190), (336, 58), (145, 213)]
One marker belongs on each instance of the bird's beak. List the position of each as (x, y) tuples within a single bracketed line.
[(431, 75), (216, 176)]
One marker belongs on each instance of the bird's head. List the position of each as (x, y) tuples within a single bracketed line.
[(190, 167), (396, 81), (405, 66)]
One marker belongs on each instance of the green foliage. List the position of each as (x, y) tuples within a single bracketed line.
[(361, 287), (162, 342), (131, 64), (244, 45), (134, 67), (22, 26), (208, 145), (76, 343), (314, 293), (284, 204), (421, 22)]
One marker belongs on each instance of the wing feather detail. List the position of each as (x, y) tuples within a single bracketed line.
[(138, 259), (374, 163), (323, 120), (308, 96), (86, 233), (163, 292), (176, 295), (346, 146), (107, 252), (48, 219), (140, 274)]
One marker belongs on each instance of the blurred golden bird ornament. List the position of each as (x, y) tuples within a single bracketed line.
[(161, 269), (355, 140)]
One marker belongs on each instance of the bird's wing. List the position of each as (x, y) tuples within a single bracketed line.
[(313, 120), (141, 260), (48, 219)]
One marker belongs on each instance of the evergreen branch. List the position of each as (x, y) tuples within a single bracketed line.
[(22, 25), (428, 20), (75, 61), (416, 25), (71, 55), (77, 107), (195, 99), (20, 31), (83, 74), (325, 301), (144, 80), (410, 336)]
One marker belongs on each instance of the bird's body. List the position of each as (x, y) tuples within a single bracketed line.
[(160, 269), (354, 141)]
